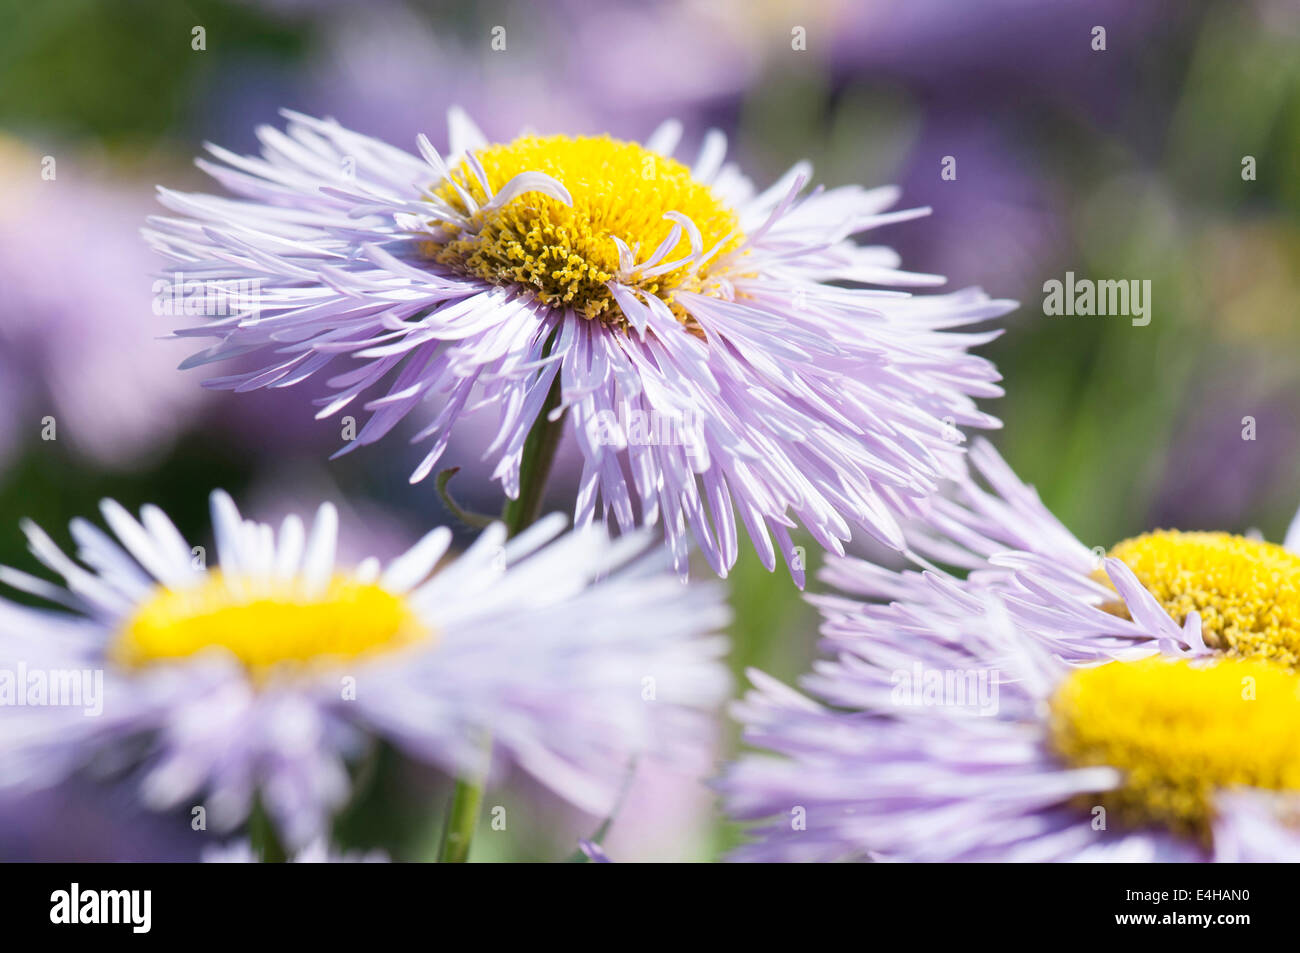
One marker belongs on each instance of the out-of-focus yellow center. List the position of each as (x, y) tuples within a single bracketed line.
[(566, 254), (270, 628), (1247, 592), (1180, 732)]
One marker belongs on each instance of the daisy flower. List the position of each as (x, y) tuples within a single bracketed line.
[(263, 677), (718, 349), (1153, 592), (983, 745)]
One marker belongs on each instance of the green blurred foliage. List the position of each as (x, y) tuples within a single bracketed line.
[(125, 72)]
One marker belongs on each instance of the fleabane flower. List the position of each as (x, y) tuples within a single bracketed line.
[(1157, 591), (718, 350), (984, 745), (266, 674)]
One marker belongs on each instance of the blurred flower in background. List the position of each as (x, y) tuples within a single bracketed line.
[(254, 683), (84, 821), (79, 333)]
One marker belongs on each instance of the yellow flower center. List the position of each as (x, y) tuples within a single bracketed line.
[(1246, 592), (1180, 732), (268, 626), (566, 253)]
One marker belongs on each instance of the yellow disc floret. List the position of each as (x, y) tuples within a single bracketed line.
[(268, 626), (1180, 732), (1247, 592), (565, 254)]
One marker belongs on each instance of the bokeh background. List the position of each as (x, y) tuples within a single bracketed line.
[(1117, 163)]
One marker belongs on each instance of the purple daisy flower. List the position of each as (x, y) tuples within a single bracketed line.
[(1154, 592), (267, 674), (697, 333), (982, 745)]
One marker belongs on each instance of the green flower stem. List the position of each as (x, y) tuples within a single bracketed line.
[(519, 513), (535, 466), (462, 819), (262, 837)]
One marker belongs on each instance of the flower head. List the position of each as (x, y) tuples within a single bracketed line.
[(1158, 591), (269, 672), (1001, 751), (714, 347), (1052, 703)]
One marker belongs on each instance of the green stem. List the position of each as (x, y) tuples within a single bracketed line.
[(266, 845), (462, 819), (520, 513), (535, 466)]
